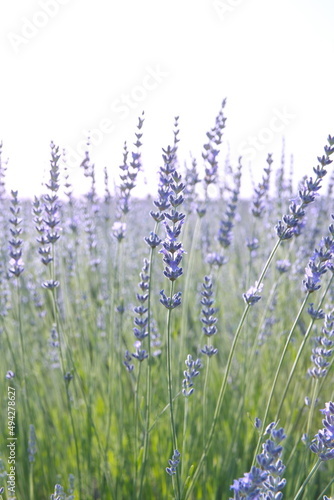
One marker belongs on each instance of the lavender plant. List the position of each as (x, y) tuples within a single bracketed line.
[(265, 481), (115, 416), (211, 150), (322, 444), (227, 223), (285, 229)]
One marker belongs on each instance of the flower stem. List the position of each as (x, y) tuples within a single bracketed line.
[(307, 480), (278, 370), (170, 390)]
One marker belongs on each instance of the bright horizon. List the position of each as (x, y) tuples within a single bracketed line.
[(70, 68)]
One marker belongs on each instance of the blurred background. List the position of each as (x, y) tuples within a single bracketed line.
[(70, 67)]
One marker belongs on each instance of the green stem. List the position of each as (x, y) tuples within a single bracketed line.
[(162, 412), (113, 342), (224, 382), (187, 288), (170, 389), (320, 497), (56, 319), (301, 347), (148, 376), (31, 482), (307, 480), (205, 412), (136, 417), (184, 440), (278, 370), (218, 404), (68, 397), (311, 412)]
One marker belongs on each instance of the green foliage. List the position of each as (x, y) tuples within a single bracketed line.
[(94, 421)]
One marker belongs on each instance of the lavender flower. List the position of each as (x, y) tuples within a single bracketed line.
[(59, 493), (315, 313), (140, 354), (216, 259), (283, 266), (319, 263), (209, 350), (261, 192), (50, 284), (208, 319), (170, 302), (52, 204), (173, 463), (68, 377), (252, 245), (46, 218), (119, 230), (292, 222), (323, 348), (192, 371), (252, 295), (172, 249), (129, 171), (227, 223), (191, 181), (265, 481), (201, 211), (127, 361), (163, 203), (141, 319), (323, 442), (153, 240), (211, 152), (16, 243)]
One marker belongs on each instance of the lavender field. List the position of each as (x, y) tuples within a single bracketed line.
[(173, 346)]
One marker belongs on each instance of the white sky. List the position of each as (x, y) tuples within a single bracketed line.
[(69, 66)]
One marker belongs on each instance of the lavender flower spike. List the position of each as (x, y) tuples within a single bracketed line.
[(323, 442), (252, 295), (173, 463), (264, 482), (170, 302), (192, 371)]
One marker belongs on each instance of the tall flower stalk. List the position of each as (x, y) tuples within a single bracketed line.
[(285, 229), (48, 228), (317, 267), (172, 251), (322, 445)]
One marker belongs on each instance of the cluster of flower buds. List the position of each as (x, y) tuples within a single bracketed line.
[(192, 371), (16, 243), (227, 223), (323, 443), (323, 348), (129, 171), (211, 150), (173, 463), (252, 296), (266, 480), (320, 262), (291, 223), (46, 218), (172, 249), (261, 191), (166, 170)]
